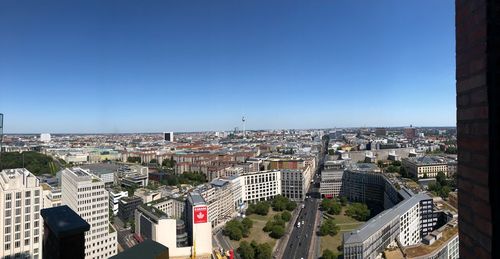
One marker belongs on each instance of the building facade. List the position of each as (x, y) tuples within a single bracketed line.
[(85, 194), (261, 186), (21, 224)]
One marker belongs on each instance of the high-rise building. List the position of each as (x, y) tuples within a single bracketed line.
[(85, 194), (410, 133), (21, 226), (168, 136)]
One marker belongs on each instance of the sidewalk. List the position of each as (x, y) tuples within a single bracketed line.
[(315, 249)]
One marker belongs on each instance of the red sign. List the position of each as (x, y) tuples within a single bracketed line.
[(200, 214)]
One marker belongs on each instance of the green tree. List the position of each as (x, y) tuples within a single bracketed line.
[(441, 178), (328, 254), (328, 228), (286, 216), (343, 200), (403, 172), (358, 211), (277, 231), (233, 229), (247, 223), (263, 251), (153, 161), (246, 251)]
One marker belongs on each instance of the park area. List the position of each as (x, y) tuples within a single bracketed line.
[(345, 224), (256, 232)]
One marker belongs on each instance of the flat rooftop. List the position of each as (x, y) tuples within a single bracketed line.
[(63, 221), (423, 249)]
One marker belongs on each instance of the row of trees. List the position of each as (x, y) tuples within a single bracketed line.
[(193, 178), (254, 251), (260, 208), (280, 203), (236, 229), (276, 225), (35, 162)]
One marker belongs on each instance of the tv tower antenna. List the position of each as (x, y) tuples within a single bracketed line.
[(243, 119)]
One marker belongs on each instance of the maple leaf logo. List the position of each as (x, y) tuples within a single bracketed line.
[(200, 215)]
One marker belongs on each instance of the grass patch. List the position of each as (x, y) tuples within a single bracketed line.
[(345, 223), (256, 232)]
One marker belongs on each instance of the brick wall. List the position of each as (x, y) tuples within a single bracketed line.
[(477, 124)]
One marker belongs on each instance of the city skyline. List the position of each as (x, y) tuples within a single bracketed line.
[(96, 67)]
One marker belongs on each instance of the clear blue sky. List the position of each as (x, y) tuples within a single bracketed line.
[(152, 66)]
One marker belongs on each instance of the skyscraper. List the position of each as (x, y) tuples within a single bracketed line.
[(84, 193), (21, 201), (168, 136)]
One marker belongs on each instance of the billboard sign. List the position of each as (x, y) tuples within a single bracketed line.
[(200, 214)]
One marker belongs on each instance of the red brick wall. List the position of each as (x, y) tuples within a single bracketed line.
[(475, 126)]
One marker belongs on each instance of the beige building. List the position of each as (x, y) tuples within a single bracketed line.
[(85, 194), (429, 166), (216, 195), (21, 226), (52, 196)]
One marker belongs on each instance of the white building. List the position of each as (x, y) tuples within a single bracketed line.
[(184, 239), (45, 137), (295, 183), (52, 196), (84, 193), (114, 199), (261, 186), (237, 183), (21, 225), (173, 207), (331, 182), (216, 195), (168, 136)]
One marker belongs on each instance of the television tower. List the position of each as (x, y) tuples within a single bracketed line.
[(243, 119)]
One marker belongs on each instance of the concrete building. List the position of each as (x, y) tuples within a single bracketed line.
[(52, 196), (168, 136), (261, 186), (127, 206), (114, 198), (20, 204), (216, 195), (85, 194), (295, 183), (237, 183), (198, 227), (403, 223), (331, 183), (172, 206), (429, 166), (148, 195)]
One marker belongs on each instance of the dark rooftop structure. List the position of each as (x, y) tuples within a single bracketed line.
[(148, 249), (64, 233)]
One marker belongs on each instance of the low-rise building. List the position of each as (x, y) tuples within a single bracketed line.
[(425, 166), (114, 198), (127, 206)]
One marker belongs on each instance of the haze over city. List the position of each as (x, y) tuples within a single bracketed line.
[(104, 67)]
